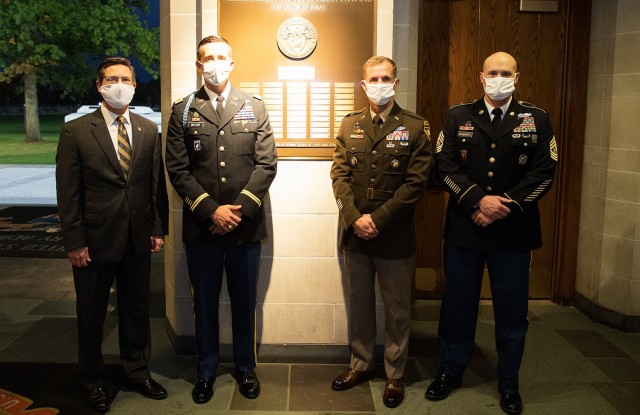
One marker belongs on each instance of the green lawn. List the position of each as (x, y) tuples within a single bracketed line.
[(13, 149)]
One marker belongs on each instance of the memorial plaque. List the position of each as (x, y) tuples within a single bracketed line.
[(304, 57)]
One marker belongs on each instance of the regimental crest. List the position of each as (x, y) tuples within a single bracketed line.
[(297, 38), (463, 155), (522, 160), (197, 145)]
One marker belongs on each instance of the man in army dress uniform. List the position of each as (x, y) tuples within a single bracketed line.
[(380, 168), (221, 160), (497, 158)]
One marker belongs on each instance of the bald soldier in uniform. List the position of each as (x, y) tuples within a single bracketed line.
[(221, 160), (497, 158), (380, 167)]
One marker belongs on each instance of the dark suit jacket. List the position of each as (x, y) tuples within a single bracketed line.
[(213, 162), (98, 208), (517, 162), (383, 175)]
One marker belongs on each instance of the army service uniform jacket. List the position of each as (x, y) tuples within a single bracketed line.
[(517, 162), (214, 161), (383, 175)]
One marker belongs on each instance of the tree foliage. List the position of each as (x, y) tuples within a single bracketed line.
[(61, 42)]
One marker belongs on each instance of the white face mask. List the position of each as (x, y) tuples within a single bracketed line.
[(117, 95), (380, 94), (216, 72), (499, 88)]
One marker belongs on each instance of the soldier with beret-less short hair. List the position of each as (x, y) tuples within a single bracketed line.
[(221, 160), (380, 168), (496, 157)]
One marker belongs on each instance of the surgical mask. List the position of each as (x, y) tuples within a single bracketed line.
[(380, 94), (216, 72), (117, 95), (499, 88)]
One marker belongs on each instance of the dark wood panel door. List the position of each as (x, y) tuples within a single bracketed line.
[(455, 36)]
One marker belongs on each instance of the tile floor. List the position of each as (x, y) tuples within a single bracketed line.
[(571, 364)]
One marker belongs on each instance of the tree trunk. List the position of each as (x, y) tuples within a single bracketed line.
[(31, 120)]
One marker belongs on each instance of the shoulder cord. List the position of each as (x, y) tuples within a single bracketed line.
[(185, 115)]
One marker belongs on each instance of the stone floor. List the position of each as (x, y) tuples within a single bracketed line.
[(571, 364)]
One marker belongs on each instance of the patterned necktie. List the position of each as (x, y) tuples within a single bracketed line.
[(497, 117), (219, 107), (124, 147), (377, 123)]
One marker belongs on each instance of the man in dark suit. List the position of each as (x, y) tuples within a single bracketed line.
[(380, 168), (112, 202), (221, 160), (497, 158)]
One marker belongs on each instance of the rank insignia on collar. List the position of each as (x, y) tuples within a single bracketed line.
[(197, 145)]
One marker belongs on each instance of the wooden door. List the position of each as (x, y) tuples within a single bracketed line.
[(551, 49)]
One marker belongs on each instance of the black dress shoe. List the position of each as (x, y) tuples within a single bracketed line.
[(202, 390), (149, 389), (511, 403), (442, 386), (351, 378), (393, 393), (98, 400), (248, 384)]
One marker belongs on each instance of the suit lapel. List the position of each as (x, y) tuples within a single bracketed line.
[(233, 105), (393, 121), (100, 132), (203, 105), (138, 141), (481, 118), (510, 119)]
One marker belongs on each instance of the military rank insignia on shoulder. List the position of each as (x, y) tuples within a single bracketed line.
[(530, 105), (427, 130), (177, 101), (463, 103)]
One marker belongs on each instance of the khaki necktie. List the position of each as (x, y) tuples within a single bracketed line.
[(377, 123), (124, 147), (219, 107)]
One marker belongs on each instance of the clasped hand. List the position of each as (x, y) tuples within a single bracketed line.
[(490, 209), (225, 219), (365, 228)]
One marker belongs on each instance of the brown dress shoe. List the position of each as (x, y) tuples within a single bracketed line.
[(351, 378), (393, 393)]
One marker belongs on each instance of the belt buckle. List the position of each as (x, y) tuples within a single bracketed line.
[(369, 193)]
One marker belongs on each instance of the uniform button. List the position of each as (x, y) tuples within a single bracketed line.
[(373, 166), (221, 148), (223, 180), (372, 180), (221, 133), (490, 174), (492, 160), (353, 149), (246, 130), (489, 188), (526, 144), (396, 151), (464, 140), (195, 132), (493, 145), (222, 164), (374, 152)]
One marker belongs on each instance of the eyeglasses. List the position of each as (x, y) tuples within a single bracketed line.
[(112, 80)]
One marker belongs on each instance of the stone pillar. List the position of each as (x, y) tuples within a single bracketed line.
[(608, 269)]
